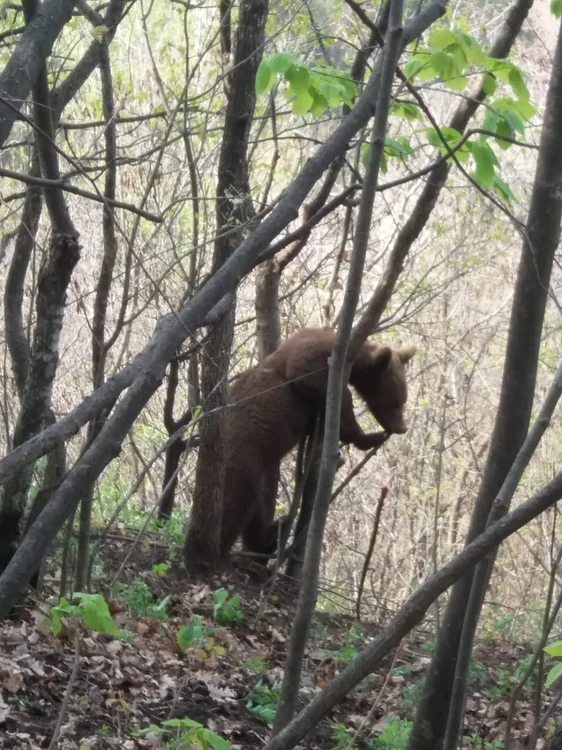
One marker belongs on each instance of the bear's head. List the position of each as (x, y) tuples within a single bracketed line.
[(378, 374)]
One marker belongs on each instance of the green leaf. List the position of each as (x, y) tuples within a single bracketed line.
[(98, 32), (163, 604), (383, 166), (502, 189), (442, 64), (407, 110), (502, 69), (282, 61), (220, 596), (525, 109), (265, 78), (456, 84), (518, 84), (459, 59), (418, 67), (299, 78), (319, 105), (473, 51), (302, 104), (485, 161), (554, 649), (554, 674), (331, 91), (95, 613), (489, 84), (441, 39), (365, 154), (556, 8), (450, 135), (182, 724), (504, 128), (506, 108), (56, 620), (216, 742), (397, 146)]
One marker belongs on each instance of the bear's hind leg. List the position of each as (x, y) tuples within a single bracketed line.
[(240, 502)]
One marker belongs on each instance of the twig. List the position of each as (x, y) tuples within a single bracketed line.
[(374, 534), (61, 185), (69, 690)]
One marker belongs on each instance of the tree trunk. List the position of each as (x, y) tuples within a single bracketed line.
[(22, 69), (510, 429), (54, 278), (53, 281), (233, 210), (312, 457)]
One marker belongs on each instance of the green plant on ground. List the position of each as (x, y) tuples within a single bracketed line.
[(318, 629), (92, 610), (498, 622), (187, 734), (477, 671), (475, 740), (255, 664), (226, 608), (395, 735), (198, 639), (522, 668), (554, 649), (411, 695), (353, 640), (262, 701), (404, 670), (160, 569), (504, 686), (173, 529), (342, 737), (140, 599)]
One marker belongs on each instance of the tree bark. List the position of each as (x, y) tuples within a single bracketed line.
[(234, 208), (54, 278), (511, 425), (16, 337), (29, 56), (101, 300)]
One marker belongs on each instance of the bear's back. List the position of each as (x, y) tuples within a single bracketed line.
[(266, 416)]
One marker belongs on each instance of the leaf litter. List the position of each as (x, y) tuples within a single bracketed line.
[(126, 685)]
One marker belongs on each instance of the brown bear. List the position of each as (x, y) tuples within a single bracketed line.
[(273, 405)]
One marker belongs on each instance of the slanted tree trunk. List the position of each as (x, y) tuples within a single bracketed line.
[(233, 210), (443, 697)]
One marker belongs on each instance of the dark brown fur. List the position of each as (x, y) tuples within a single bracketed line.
[(273, 406)]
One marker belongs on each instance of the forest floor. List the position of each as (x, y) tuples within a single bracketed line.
[(227, 675)]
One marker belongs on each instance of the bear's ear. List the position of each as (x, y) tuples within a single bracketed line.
[(381, 357), (406, 354)]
